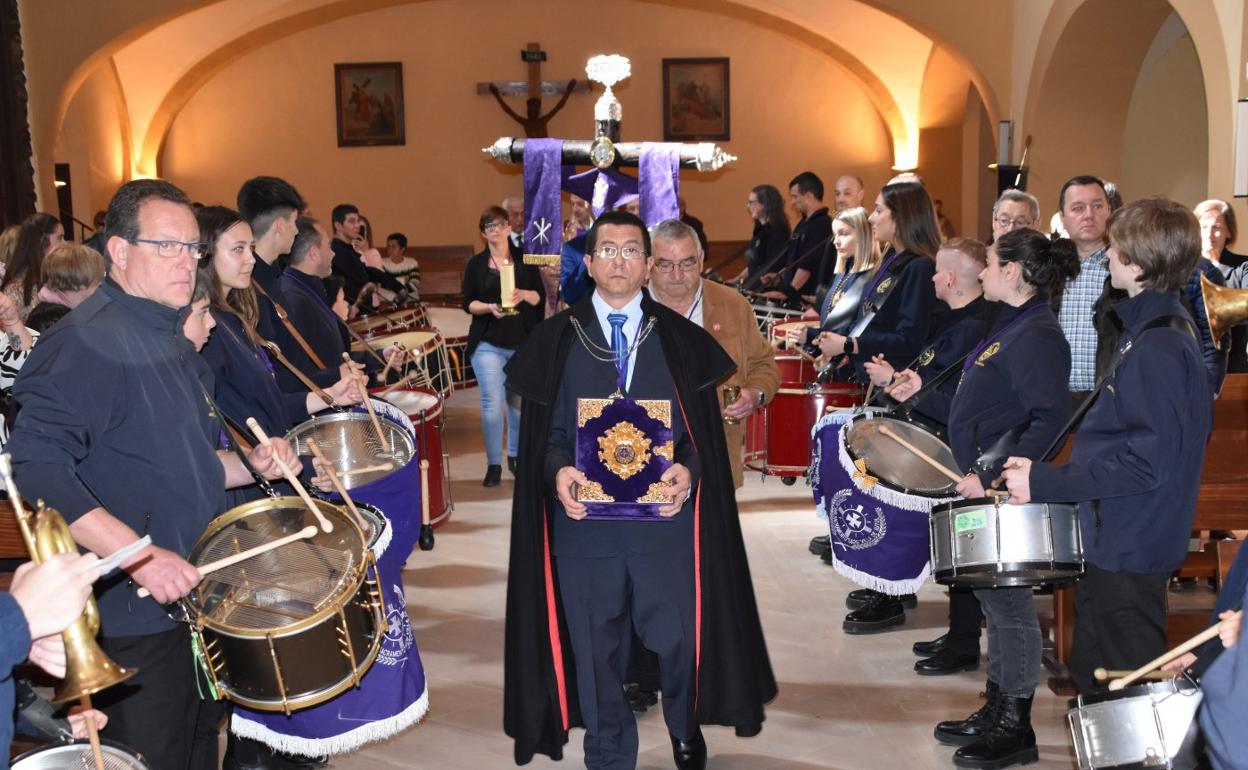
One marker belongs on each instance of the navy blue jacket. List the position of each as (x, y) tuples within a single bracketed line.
[(1140, 447), (1019, 378), (1215, 360), (311, 314), (956, 332), (806, 247), (245, 386), (904, 322), (270, 327), (574, 280), (114, 414), (14, 646)]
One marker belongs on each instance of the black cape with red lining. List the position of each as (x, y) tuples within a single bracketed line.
[(734, 677)]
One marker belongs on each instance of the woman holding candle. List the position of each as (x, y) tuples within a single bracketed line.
[(500, 322)]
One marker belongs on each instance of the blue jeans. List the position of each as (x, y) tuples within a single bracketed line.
[(487, 362), (1014, 642)]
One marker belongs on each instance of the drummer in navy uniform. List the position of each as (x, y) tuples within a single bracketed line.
[(1012, 400), (807, 243), (894, 319), (1139, 450), (958, 265)]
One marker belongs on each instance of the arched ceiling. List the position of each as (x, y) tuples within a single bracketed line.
[(886, 55)]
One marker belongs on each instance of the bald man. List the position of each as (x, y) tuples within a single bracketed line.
[(850, 192)]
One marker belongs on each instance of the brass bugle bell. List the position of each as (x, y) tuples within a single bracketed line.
[(1225, 308), (87, 669)]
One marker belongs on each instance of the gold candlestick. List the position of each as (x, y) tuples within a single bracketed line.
[(507, 282), (730, 393)]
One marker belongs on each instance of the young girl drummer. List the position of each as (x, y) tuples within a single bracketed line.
[(1013, 392)]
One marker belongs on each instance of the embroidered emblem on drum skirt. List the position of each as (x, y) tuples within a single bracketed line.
[(858, 526)]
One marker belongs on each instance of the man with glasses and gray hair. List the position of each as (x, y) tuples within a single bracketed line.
[(676, 281), (1014, 210)]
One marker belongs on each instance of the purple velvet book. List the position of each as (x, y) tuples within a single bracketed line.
[(624, 446)]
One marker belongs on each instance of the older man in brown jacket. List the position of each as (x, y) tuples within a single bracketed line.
[(676, 281)]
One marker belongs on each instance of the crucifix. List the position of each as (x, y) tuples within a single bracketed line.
[(545, 171), (533, 121)]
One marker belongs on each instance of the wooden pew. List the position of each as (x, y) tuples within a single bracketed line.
[(1221, 504)]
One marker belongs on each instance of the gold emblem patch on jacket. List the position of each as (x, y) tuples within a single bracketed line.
[(991, 351), (927, 356), (884, 286)]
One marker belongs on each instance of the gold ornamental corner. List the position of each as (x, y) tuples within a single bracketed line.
[(591, 491), (589, 409), (658, 409), (658, 492), (666, 451), (624, 449)]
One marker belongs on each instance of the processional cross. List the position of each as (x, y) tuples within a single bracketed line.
[(533, 121), (606, 153)]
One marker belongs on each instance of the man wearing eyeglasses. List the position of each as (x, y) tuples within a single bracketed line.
[(116, 432), (579, 588), (676, 281), (1014, 210)]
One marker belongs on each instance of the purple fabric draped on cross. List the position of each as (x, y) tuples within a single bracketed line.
[(392, 695), (543, 211), (606, 195), (659, 173)]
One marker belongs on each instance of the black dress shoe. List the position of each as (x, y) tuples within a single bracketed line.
[(928, 649), (638, 699), (249, 754), (511, 464), (946, 662), (826, 554), (690, 754), (819, 542), (493, 475), (858, 599), (880, 613)]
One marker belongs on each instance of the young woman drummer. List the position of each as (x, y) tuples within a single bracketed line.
[(1012, 400)]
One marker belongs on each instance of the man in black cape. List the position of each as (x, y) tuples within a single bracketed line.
[(732, 676)]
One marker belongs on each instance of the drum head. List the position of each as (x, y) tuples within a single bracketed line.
[(76, 755), (350, 442), (893, 464), (422, 341), (413, 401), (283, 587)]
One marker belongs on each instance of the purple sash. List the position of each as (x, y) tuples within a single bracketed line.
[(392, 695)]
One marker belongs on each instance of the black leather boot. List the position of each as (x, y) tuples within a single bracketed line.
[(818, 543), (493, 475), (960, 732), (1009, 741), (248, 754), (880, 613)]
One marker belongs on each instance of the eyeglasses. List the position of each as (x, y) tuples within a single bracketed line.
[(1019, 222), (751, 201), (172, 249), (685, 265), (628, 252), (492, 226)]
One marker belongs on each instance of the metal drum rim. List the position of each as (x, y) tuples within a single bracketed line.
[(357, 574), (352, 415), (83, 742), (976, 576), (1166, 688), (939, 493), (436, 412)]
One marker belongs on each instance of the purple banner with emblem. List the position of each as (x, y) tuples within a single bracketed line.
[(879, 535), (543, 211)]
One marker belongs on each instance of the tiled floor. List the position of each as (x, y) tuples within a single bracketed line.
[(844, 702)]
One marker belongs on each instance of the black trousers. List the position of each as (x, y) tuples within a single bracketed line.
[(1120, 623), (158, 711), (965, 619), (604, 600)]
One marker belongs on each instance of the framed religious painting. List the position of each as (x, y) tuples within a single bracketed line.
[(695, 100), (369, 98)]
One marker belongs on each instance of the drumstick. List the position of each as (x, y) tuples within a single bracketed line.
[(212, 566), (1162, 660), (407, 379), (398, 354), (902, 377), (328, 468), (97, 754), (426, 530), (259, 433), (385, 443), (924, 456), (372, 468), (1103, 674), (870, 388)]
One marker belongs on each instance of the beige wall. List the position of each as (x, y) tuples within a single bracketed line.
[(1165, 146), (91, 142), (272, 112)]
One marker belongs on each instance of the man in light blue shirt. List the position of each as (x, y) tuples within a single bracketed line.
[(1085, 213)]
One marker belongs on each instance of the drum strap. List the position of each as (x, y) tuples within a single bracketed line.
[(907, 406), (237, 432), (281, 315), (276, 352)]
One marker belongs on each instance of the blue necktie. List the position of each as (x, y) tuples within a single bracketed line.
[(620, 345)]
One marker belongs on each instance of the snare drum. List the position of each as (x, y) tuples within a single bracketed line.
[(453, 324), (1147, 725), (292, 627), (350, 442), (400, 319), (984, 543), (767, 314), (428, 356), (424, 409), (77, 754)]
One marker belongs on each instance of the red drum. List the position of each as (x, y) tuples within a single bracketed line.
[(453, 324), (424, 408), (756, 440), (792, 415), (427, 360), (398, 320)]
